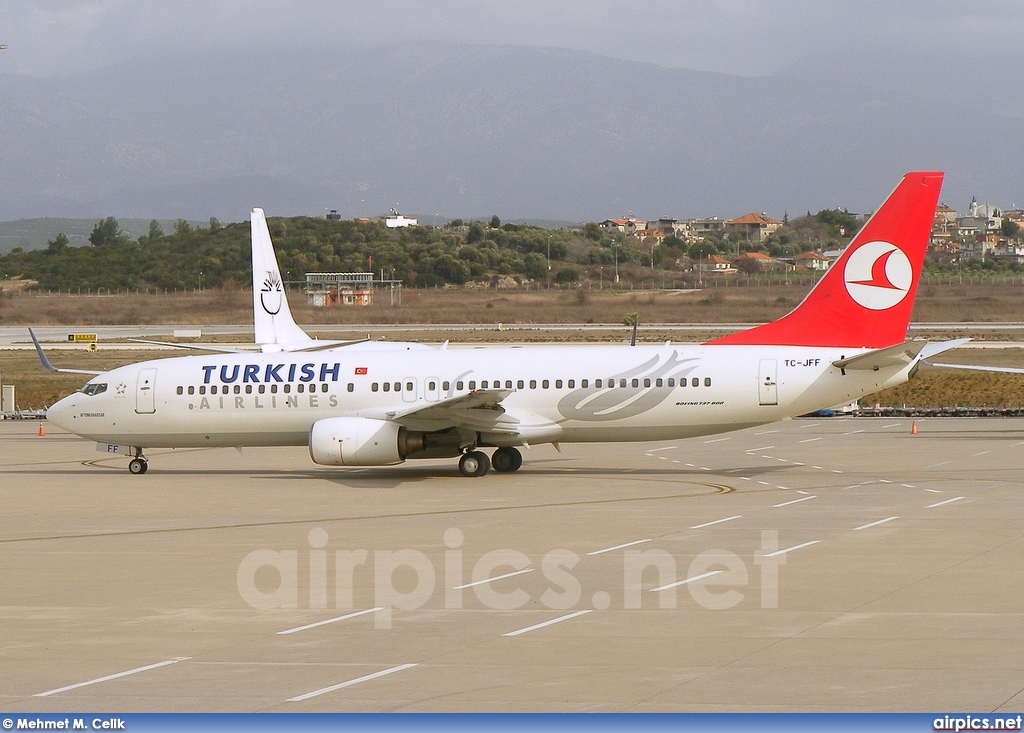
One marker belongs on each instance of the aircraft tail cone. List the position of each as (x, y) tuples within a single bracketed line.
[(41, 431), (913, 427)]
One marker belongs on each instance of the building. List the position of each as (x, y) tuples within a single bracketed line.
[(698, 229), (715, 265), (627, 225), (339, 288), (752, 227), (758, 262), (811, 261)]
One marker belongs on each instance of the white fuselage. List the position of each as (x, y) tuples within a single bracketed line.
[(558, 393)]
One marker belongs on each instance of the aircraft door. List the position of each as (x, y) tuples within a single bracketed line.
[(409, 389), (145, 397), (767, 382)]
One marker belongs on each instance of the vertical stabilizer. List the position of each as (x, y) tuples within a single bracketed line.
[(275, 328), (864, 300)]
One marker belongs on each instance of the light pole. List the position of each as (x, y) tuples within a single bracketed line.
[(200, 281), (615, 248)]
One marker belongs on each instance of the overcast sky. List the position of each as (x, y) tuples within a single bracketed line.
[(745, 37)]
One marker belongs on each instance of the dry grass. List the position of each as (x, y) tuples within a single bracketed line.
[(936, 303)]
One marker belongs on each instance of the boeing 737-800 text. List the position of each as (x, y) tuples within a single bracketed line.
[(378, 404)]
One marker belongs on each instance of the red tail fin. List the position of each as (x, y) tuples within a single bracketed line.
[(865, 298)]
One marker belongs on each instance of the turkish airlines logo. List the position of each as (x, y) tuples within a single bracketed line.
[(271, 294), (878, 275)]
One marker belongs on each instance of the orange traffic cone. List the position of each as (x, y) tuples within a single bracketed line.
[(913, 427), (41, 431)]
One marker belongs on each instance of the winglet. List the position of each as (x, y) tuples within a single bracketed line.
[(272, 318), (50, 367)]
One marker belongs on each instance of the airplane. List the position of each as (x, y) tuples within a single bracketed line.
[(378, 404)]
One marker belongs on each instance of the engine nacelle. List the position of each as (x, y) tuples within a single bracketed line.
[(361, 441)]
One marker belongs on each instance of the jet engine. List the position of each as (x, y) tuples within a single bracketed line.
[(361, 441)]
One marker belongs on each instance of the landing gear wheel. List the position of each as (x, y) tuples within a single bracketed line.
[(506, 460), (474, 463), (138, 466)]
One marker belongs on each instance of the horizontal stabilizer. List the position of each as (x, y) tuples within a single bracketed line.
[(872, 361), (975, 368)]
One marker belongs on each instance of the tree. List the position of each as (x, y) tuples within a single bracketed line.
[(155, 231), (58, 245), (1010, 228), (495, 222), (105, 232)]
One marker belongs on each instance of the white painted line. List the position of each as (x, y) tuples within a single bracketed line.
[(717, 521), (754, 450), (658, 450), (984, 452), (874, 524), (812, 425), (766, 432), (936, 465), (947, 501), (745, 478), (782, 460), (933, 491), (809, 440), (548, 623), (491, 580), (790, 549), (330, 621), (717, 440), (661, 458), (884, 481), (853, 432), (908, 486), (687, 580), (356, 681), (111, 677), (794, 501), (795, 463), (836, 470), (618, 547), (890, 425), (804, 493), (818, 467)]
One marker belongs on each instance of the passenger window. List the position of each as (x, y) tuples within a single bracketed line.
[(459, 385), (287, 389), (408, 386), (597, 383), (571, 384), (508, 384), (446, 386), (374, 387), (647, 382), (707, 381), (659, 382), (431, 386), (520, 384), (262, 389), (273, 389), (585, 383), (472, 384), (533, 384), (191, 389), (248, 389), (351, 387), (323, 387), (636, 382), (300, 387), (483, 384), (622, 382), (682, 382), (387, 386), (238, 389), (213, 389), (695, 382), (558, 384), (545, 384), (181, 390)]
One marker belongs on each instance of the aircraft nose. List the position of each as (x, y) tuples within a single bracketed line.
[(60, 413)]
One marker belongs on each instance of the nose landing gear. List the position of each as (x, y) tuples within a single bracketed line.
[(138, 465)]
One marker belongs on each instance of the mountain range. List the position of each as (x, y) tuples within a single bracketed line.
[(447, 130)]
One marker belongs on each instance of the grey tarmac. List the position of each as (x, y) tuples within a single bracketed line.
[(833, 564)]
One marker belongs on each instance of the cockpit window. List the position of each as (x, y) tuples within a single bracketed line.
[(94, 389)]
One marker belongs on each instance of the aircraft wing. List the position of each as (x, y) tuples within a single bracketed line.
[(883, 358), (50, 367), (977, 368), (477, 410)]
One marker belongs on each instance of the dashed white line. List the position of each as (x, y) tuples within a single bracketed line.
[(809, 440), (717, 521), (790, 549), (754, 450), (947, 501), (766, 432), (658, 450), (330, 621), (618, 547), (803, 493), (686, 580), (874, 524), (984, 452), (853, 432), (491, 580), (356, 681), (812, 425), (548, 623), (111, 677), (891, 425), (717, 440), (933, 491), (936, 465), (794, 501)]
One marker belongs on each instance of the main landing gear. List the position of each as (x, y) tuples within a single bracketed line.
[(138, 465), (476, 463)]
